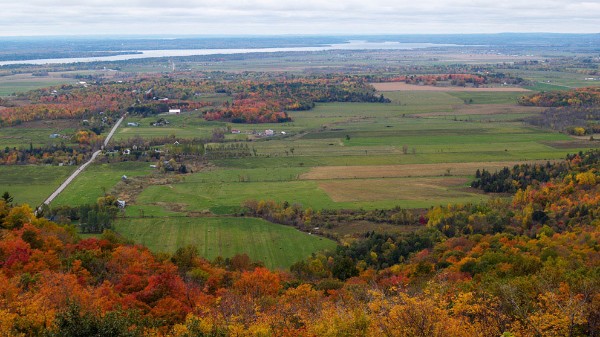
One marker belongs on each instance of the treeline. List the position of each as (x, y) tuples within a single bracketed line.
[(454, 79), (573, 98), (509, 180), (49, 155)]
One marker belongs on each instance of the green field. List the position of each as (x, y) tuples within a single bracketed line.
[(351, 134), (32, 184), (276, 245), (488, 97), (98, 179)]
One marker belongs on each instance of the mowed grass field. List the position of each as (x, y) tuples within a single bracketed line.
[(30, 184), (98, 179), (276, 245)]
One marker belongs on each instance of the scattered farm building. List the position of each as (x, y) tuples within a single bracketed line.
[(133, 124), (174, 111)]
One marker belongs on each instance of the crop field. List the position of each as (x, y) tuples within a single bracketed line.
[(415, 189), (276, 245), (403, 171), (25, 82), (18, 83), (31, 184)]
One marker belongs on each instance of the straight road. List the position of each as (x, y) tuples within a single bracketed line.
[(84, 165)]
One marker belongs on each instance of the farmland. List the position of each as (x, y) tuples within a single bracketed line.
[(353, 155), (275, 245), (420, 150)]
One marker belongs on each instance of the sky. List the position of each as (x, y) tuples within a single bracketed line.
[(276, 17)]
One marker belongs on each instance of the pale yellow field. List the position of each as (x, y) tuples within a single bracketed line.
[(401, 86), (419, 189), (403, 171)]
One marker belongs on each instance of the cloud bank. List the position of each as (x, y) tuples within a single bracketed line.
[(82, 17)]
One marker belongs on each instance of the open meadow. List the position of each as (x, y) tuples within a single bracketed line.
[(31, 184), (275, 245)]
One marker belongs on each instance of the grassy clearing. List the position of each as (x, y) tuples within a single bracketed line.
[(276, 245), (98, 179), (433, 189), (37, 134), (32, 184), (227, 197), (14, 85), (185, 125)]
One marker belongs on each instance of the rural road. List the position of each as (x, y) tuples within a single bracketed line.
[(84, 165)]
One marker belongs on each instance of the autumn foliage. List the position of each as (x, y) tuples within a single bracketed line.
[(573, 98), (528, 267)]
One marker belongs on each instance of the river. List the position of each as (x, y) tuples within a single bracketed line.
[(350, 45)]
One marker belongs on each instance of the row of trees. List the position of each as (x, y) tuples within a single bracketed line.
[(485, 76), (94, 218), (589, 96)]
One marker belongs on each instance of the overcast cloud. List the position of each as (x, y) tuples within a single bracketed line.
[(81, 17)]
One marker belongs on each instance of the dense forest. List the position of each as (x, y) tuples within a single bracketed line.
[(525, 267), (509, 180)]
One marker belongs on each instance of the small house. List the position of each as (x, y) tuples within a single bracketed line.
[(133, 124), (54, 135), (121, 203), (235, 131), (269, 132), (174, 111)]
